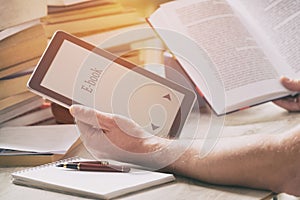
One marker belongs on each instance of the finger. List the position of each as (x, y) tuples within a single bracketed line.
[(288, 105), (93, 139), (293, 85), (87, 129), (91, 116), (90, 134)]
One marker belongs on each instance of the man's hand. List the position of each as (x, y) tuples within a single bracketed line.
[(111, 136), (258, 160), (290, 103)]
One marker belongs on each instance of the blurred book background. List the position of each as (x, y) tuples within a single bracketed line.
[(23, 40), (27, 26), (25, 30)]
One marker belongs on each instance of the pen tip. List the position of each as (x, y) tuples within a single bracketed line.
[(60, 165)]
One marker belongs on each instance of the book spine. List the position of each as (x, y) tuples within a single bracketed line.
[(13, 86), (82, 14), (23, 51), (32, 117), (94, 24), (19, 68)]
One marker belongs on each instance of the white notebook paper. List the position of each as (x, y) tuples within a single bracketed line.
[(103, 185)]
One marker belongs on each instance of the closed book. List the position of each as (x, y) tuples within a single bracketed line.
[(18, 28), (12, 86), (56, 6), (83, 13), (65, 2), (120, 39), (95, 24), (19, 68), (22, 46), (36, 145), (30, 118), (15, 12), (28, 159), (21, 108), (12, 101)]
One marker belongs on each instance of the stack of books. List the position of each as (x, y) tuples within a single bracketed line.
[(109, 24), (22, 42), (24, 39), (86, 17), (137, 43)]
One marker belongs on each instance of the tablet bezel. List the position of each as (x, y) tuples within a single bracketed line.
[(34, 83)]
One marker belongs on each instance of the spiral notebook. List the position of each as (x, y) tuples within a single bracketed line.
[(102, 185)]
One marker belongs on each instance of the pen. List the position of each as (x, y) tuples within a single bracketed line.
[(93, 162), (95, 167)]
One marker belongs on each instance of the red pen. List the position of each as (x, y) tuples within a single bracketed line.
[(81, 166)]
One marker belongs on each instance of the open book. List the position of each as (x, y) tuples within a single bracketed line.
[(234, 51), (94, 184)]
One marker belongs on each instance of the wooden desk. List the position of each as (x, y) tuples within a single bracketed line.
[(263, 119)]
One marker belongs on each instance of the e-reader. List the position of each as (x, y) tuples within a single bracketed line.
[(72, 71)]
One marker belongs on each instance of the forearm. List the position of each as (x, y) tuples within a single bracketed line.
[(255, 161), (233, 161)]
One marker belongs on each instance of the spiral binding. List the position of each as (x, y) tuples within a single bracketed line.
[(75, 158)]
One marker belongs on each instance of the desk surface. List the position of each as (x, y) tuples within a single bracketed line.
[(263, 119)]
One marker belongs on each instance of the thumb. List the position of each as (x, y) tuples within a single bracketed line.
[(293, 85), (91, 116), (84, 114)]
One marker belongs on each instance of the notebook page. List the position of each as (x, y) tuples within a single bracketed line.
[(94, 184)]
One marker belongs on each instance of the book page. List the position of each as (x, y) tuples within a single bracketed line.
[(239, 60), (217, 30), (52, 138), (279, 21)]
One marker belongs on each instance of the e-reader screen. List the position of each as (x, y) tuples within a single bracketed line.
[(73, 71)]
